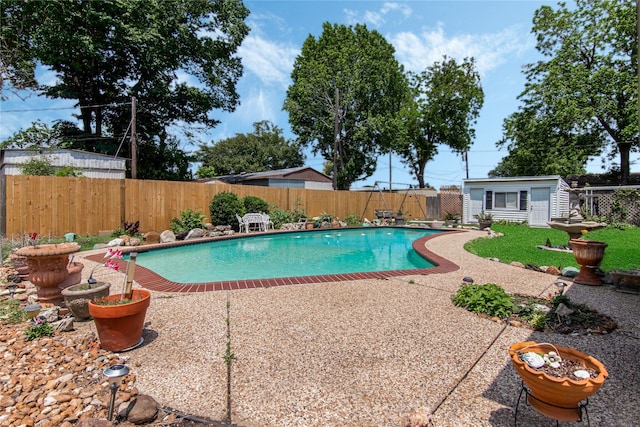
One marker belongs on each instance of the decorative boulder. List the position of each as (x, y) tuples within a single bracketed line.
[(115, 242), (144, 410), (167, 236), (195, 234), (151, 237)]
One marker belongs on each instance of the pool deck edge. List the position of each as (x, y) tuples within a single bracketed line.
[(154, 282)]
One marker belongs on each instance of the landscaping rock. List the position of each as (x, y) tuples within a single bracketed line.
[(196, 233), (167, 236), (553, 270), (153, 237), (570, 272), (517, 264), (144, 410)]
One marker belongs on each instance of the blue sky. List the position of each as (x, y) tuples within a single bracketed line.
[(496, 33)]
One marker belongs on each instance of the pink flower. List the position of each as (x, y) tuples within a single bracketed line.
[(111, 255)]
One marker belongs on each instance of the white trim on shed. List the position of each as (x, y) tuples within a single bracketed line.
[(534, 199)]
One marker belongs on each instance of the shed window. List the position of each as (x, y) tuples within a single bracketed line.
[(504, 200), (523, 200)]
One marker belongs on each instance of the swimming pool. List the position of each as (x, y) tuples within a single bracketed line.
[(282, 255)]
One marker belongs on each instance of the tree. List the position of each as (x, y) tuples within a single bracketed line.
[(263, 150), (347, 89), (177, 57), (446, 100), (589, 82), (539, 144)]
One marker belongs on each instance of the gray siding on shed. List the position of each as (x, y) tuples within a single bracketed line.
[(92, 165), (558, 202)]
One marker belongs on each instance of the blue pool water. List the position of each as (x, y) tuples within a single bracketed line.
[(310, 253)]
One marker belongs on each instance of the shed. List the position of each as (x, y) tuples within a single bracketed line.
[(534, 199), (302, 177), (92, 165)]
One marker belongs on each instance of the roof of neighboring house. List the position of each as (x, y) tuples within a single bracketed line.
[(595, 180), (514, 178), (304, 173)]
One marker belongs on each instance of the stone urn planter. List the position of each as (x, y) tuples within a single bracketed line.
[(120, 325), (589, 254), (557, 398), (48, 268), (77, 297), (19, 263), (484, 224), (75, 275)]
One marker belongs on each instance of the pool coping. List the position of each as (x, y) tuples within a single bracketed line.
[(153, 281)]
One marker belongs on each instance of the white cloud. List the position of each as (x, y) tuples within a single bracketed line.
[(270, 61), (378, 17), (418, 51)]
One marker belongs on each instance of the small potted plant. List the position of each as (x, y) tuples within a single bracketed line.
[(119, 318), (558, 378), (451, 218), (77, 297), (484, 220)]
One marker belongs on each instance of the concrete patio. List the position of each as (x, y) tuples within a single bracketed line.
[(371, 352)]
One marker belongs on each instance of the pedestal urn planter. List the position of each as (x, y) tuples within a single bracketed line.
[(48, 268), (120, 325), (589, 254), (553, 397), (77, 297)]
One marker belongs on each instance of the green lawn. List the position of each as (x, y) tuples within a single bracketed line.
[(520, 242)]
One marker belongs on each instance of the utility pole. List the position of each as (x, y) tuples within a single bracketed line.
[(466, 161), (336, 134), (134, 146), (390, 180)]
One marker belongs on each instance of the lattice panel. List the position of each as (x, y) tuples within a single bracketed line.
[(604, 205), (450, 200)]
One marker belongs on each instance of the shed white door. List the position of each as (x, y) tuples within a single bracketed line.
[(539, 209), (476, 198)]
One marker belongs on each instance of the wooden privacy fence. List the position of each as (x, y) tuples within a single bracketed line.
[(58, 205)]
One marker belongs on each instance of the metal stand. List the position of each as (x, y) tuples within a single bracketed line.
[(528, 395)]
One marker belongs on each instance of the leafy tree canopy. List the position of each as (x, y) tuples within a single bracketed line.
[(262, 150), (588, 84), (542, 145), (347, 89), (445, 102), (177, 57)]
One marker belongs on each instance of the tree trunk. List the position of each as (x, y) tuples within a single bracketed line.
[(624, 149)]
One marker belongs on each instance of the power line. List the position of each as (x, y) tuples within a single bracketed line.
[(64, 108)]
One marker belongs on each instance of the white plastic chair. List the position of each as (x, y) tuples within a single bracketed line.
[(267, 222), (242, 224)]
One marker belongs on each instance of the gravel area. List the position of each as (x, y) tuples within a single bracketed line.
[(370, 353)]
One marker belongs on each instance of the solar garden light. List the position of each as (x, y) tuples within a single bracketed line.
[(12, 289), (114, 374), (561, 287)]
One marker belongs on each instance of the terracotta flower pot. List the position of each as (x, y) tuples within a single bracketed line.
[(589, 254), (557, 398), (120, 325), (48, 268), (77, 297)]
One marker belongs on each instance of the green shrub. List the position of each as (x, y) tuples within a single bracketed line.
[(39, 328), (489, 299), (255, 204), (353, 220), (37, 167), (224, 207), (188, 220), (284, 216)]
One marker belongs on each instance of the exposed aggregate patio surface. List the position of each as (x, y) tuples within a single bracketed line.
[(370, 352)]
